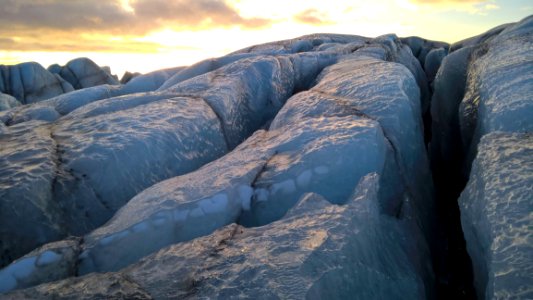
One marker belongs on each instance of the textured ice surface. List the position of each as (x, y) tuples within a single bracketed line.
[(500, 85), (195, 204), (496, 205), (108, 158), (71, 176), (305, 43), (404, 56), (27, 171), (245, 94), (145, 150), (109, 150), (52, 109), (318, 250), (496, 216)]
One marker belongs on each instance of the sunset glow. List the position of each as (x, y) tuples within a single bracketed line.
[(142, 35)]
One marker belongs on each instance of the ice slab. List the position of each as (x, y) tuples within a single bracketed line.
[(496, 216), (28, 168), (318, 250), (388, 93), (322, 155), (108, 158), (247, 93), (178, 209)]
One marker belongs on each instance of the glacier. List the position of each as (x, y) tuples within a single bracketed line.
[(325, 166)]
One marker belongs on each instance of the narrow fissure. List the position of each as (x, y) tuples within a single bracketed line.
[(451, 263)]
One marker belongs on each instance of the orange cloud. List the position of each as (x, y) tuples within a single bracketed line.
[(63, 25), (80, 45), (313, 17)]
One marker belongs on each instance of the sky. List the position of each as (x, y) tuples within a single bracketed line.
[(147, 35)]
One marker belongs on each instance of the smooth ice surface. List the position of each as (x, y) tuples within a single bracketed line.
[(51, 262), (200, 68), (421, 47), (83, 73), (496, 216), (30, 82), (52, 109), (448, 91), (318, 250), (433, 62), (150, 81), (8, 102)]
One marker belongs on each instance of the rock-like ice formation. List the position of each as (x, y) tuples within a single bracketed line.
[(396, 108), (315, 145), (8, 102), (109, 150), (499, 86), (51, 262), (496, 216), (318, 250), (495, 123), (83, 73), (30, 82)]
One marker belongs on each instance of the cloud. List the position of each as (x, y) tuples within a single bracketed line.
[(313, 17), (192, 13), (81, 45), (477, 7), (89, 25), (446, 1), (491, 6), (141, 17)]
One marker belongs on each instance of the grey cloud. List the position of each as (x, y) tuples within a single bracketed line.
[(109, 16), (61, 14)]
